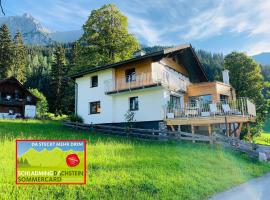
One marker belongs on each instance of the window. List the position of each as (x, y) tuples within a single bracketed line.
[(94, 107), (28, 98), (224, 98), (94, 81), (200, 99), (130, 75), (133, 103), (175, 101)]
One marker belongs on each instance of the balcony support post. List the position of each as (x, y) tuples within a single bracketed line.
[(192, 131)]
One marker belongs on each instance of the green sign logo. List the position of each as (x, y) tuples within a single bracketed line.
[(50, 162)]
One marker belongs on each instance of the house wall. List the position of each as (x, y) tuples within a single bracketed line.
[(151, 104), (87, 94), (114, 107), (140, 67), (210, 88), (5, 109)]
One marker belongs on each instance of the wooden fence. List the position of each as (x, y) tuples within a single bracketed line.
[(249, 148), (150, 134), (235, 143)]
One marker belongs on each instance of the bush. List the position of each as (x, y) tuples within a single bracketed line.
[(51, 116), (42, 104), (75, 118)]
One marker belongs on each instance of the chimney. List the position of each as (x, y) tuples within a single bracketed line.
[(225, 76), (139, 53)]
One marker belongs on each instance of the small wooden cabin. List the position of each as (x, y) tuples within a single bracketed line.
[(15, 100)]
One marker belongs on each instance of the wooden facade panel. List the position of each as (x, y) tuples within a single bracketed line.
[(5, 109), (140, 67), (174, 65), (226, 90), (210, 88)]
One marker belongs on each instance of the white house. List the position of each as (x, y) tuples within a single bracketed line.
[(148, 85)]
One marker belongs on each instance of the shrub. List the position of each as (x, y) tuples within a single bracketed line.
[(75, 118), (42, 104), (51, 116)]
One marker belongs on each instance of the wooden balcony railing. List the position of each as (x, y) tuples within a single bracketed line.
[(17, 102), (240, 107), (145, 80)]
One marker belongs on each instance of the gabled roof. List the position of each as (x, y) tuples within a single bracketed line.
[(185, 52), (14, 80)]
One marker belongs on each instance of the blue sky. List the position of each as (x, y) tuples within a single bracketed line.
[(217, 26)]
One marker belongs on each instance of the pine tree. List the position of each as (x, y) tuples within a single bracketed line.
[(58, 73), (18, 69), (6, 53)]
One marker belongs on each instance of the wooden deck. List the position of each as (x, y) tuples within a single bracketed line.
[(200, 121)]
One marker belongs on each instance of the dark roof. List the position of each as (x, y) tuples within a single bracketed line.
[(185, 48), (14, 80)]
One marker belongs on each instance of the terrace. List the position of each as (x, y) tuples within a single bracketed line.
[(238, 111)]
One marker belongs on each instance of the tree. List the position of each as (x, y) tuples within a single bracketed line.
[(106, 38), (2, 10), (18, 68), (6, 53), (246, 78), (58, 72), (42, 104)]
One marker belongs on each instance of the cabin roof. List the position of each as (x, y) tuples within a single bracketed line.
[(185, 53), (14, 80)]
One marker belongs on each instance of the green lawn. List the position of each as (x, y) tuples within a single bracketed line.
[(263, 138), (119, 168)]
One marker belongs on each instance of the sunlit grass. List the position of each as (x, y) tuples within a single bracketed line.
[(263, 138), (120, 168)]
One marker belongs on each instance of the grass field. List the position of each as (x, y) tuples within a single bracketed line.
[(263, 138), (119, 168)]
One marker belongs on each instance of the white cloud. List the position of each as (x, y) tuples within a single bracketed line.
[(258, 47), (144, 29)]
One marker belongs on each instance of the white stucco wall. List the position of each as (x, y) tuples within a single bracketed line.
[(87, 94), (151, 102)]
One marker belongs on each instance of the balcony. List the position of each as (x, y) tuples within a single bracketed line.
[(239, 110), (145, 80), (12, 102)]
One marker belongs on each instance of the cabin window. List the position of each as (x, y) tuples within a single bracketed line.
[(133, 103), (94, 107), (130, 75), (28, 98), (94, 81), (195, 100)]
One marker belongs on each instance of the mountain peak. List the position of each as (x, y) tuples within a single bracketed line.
[(262, 58), (32, 30)]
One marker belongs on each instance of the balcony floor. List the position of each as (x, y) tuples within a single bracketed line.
[(133, 88), (209, 120)]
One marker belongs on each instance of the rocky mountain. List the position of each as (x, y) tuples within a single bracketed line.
[(34, 33), (67, 36), (262, 58)]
